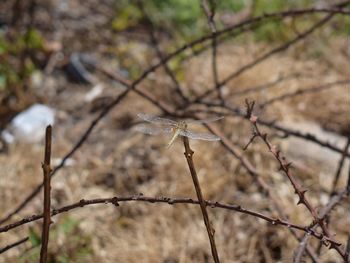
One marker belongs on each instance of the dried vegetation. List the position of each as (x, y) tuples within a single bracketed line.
[(117, 161)]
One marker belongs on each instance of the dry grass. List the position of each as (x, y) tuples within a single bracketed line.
[(118, 161)]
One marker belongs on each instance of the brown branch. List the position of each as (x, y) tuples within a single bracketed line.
[(265, 86), (340, 165), (273, 125), (47, 196), (324, 212), (332, 203), (17, 243), (298, 257), (209, 11), (189, 154), (171, 201), (285, 168), (304, 91), (348, 183), (347, 249)]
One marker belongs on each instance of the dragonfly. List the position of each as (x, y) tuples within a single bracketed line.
[(177, 128)]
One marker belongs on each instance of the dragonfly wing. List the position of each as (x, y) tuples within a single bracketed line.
[(155, 119), (200, 136), (205, 120), (153, 130)]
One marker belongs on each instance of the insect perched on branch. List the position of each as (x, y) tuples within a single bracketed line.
[(166, 126)]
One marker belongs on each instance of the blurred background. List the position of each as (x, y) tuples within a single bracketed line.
[(62, 62)]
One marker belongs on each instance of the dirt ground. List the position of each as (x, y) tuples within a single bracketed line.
[(116, 160)]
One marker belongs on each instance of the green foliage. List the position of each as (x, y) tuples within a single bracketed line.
[(11, 71), (34, 238), (33, 39), (182, 15), (341, 26), (184, 20), (234, 6), (277, 31), (76, 249), (272, 30), (128, 16)]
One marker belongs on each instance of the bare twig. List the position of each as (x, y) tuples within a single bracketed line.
[(273, 125), (15, 244), (265, 86), (347, 249), (340, 165), (189, 154), (304, 91), (47, 196), (323, 213), (301, 248), (209, 11), (348, 183), (285, 168), (171, 201)]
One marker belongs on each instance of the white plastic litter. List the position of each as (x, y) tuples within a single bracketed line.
[(29, 126)]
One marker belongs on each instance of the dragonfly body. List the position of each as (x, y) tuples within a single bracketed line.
[(176, 127), (177, 131)]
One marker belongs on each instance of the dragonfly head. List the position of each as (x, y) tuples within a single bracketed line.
[(182, 125)]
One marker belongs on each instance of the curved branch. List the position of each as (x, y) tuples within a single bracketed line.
[(170, 201)]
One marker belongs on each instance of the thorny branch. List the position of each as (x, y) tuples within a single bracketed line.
[(236, 111), (285, 168), (335, 200), (258, 178), (171, 201)]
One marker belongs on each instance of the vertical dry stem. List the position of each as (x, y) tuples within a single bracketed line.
[(188, 154), (209, 10), (47, 200), (340, 165)]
